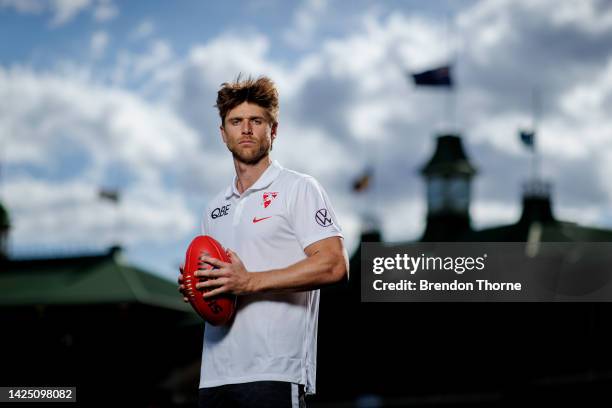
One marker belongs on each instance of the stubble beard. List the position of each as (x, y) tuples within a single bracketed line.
[(251, 158)]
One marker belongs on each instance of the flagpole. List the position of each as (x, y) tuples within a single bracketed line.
[(448, 92), (451, 92), (535, 106), (373, 193), (448, 110), (113, 196), (452, 95)]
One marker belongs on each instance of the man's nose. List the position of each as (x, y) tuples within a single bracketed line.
[(246, 127)]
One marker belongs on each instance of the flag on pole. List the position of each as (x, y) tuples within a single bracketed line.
[(440, 76), (362, 182), (110, 195), (528, 138)]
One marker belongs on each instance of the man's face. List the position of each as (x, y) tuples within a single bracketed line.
[(247, 133)]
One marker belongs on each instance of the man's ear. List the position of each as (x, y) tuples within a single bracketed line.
[(273, 130), (223, 136)]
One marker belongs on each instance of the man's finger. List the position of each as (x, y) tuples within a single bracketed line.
[(211, 283), (209, 273), (232, 256), (213, 261), (214, 292)]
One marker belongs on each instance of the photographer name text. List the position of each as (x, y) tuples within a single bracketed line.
[(458, 265)]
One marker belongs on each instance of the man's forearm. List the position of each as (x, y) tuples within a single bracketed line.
[(315, 271)]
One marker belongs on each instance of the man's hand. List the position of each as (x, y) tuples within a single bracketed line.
[(228, 278), (181, 287)]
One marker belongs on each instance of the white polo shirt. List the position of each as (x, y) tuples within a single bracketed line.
[(273, 337)]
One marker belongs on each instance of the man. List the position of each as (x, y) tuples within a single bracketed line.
[(284, 243)]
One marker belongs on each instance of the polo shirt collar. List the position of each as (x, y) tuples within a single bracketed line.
[(267, 177)]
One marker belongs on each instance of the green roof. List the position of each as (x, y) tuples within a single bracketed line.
[(95, 279)]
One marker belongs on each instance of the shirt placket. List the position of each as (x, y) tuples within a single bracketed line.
[(242, 200)]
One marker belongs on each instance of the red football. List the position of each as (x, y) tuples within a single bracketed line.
[(218, 309)]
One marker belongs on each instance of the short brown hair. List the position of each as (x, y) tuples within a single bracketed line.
[(261, 91)]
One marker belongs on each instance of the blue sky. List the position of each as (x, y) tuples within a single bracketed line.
[(120, 94)]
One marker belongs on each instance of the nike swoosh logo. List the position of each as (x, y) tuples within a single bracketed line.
[(255, 219)]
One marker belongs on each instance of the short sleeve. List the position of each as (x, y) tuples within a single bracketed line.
[(204, 226), (311, 214)]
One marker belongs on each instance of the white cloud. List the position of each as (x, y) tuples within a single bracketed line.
[(227, 55), (145, 29), (487, 214), (396, 43), (83, 136), (154, 71), (407, 220), (105, 10), (305, 23), (65, 10), (24, 6), (585, 100), (484, 27), (501, 131), (588, 215), (158, 55), (99, 42), (71, 214), (591, 16), (292, 143), (502, 24)]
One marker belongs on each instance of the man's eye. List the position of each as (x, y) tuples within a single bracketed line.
[(235, 122), (257, 121)]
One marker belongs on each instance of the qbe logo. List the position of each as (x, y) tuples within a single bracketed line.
[(220, 211)]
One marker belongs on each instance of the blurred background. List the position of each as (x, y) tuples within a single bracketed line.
[(424, 120)]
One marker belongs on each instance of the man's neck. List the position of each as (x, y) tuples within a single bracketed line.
[(248, 174)]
